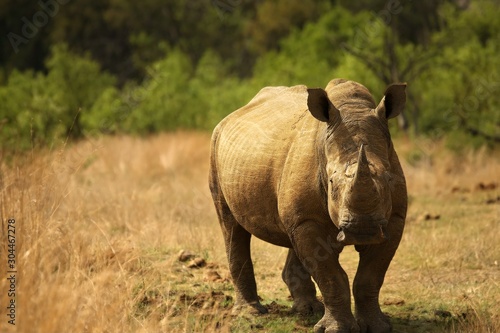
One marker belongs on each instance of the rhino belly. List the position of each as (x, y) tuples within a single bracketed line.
[(250, 195), (249, 169)]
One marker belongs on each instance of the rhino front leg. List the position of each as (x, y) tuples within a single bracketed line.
[(374, 261), (320, 257), (301, 287)]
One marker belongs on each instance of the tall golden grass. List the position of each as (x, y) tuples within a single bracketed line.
[(99, 224)]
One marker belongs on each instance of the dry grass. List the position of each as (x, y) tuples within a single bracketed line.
[(100, 223)]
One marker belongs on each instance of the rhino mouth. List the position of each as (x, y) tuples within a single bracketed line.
[(354, 234)]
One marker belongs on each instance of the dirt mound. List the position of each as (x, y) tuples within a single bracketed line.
[(486, 186), (206, 300)]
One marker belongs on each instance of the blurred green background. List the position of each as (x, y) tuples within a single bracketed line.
[(72, 69)]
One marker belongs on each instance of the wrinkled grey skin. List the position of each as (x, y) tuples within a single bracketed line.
[(313, 170)]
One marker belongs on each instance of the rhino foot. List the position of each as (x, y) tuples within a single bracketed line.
[(306, 308), (254, 308), (329, 325), (377, 324)]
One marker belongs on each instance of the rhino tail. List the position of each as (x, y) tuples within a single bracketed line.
[(213, 174)]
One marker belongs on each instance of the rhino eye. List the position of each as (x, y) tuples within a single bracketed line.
[(347, 165)]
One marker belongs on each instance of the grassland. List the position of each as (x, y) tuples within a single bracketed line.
[(100, 225)]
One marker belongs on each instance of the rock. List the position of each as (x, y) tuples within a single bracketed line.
[(212, 276), (486, 187), (185, 255), (197, 263), (442, 313), (458, 189), (394, 301), (429, 216), (212, 265), (492, 201)]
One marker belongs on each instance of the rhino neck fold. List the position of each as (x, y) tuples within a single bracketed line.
[(321, 142)]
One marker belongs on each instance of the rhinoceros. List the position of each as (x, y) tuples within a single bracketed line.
[(313, 170)]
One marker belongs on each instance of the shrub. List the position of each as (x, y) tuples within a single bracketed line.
[(38, 109)]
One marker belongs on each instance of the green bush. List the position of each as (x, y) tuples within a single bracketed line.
[(177, 94), (22, 118), (37, 109), (106, 114), (162, 101), (310, 56), (460, 94)]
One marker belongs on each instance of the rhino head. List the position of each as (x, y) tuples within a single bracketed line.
[(360, 173)]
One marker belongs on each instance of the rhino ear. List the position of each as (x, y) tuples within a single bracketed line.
[(320, 106), (393, 102)]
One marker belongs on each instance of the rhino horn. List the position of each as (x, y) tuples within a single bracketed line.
[(363, 169), (364, 191)]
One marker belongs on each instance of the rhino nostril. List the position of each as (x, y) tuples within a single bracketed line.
[(383, 234), (345, 227), (383, 223)]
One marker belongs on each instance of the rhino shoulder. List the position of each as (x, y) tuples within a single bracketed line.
[(271, 111), (277, 94)]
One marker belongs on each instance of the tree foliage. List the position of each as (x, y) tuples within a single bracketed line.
[(466, 96), (118, 66), (38, 108)]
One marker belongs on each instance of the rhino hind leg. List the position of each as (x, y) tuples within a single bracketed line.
[(301, 287), (237, 242)]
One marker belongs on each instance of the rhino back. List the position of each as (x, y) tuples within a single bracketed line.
[(262, 156)]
